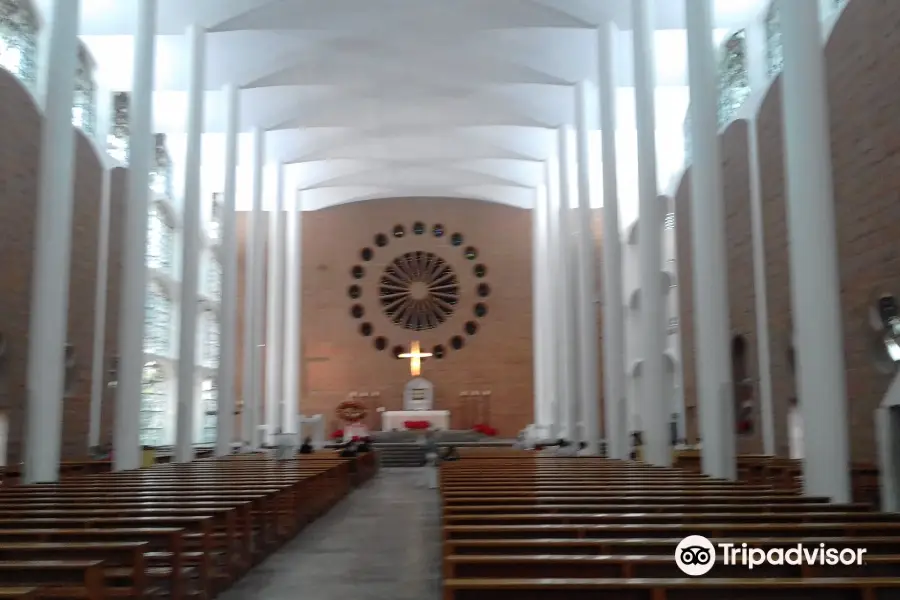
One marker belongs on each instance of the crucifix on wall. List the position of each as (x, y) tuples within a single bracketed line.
[(415, 356)]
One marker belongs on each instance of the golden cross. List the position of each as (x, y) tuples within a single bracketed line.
[(415, 356)]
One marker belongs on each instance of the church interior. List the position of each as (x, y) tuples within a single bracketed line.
[(457, 299)]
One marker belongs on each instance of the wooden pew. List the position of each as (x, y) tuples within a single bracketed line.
[(514, 529), (56, 578)]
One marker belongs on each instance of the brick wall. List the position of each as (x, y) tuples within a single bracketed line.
[(19, 165), (865, 142), (338, 359)]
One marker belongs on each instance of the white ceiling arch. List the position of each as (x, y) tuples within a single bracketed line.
[(374, 98)]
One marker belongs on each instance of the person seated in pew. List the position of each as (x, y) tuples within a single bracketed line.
[(350, 450), (450, 454), (566, 448), (306, 447), (582, 449), (365, 445)]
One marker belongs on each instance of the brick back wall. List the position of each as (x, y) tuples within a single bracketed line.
[(339, 360), (19, 167)]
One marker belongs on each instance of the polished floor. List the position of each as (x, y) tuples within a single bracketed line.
[(381, 543)]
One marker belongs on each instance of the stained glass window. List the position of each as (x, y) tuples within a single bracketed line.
[(211, 344), (18, 40), (734, 80), (161, 174), (119, 135), (157, 321), (160, 239), (154, 405), (84, 108), (214, 278), (774, 56), (209, 395)]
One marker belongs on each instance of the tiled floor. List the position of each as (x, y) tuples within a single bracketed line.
[(380, 543)]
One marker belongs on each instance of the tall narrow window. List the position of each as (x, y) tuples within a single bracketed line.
[(210, 398), (214, 278), (157, 321), (211, 342), (734, 80), (161, 173), (118, 138), (774, 56), (84, 107), (215, 218), (18, 40), (155, 413), (160, 239)]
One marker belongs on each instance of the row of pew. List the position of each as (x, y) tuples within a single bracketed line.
[(174, 531), (518, 525)]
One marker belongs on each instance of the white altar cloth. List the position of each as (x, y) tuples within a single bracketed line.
[(394, 419)]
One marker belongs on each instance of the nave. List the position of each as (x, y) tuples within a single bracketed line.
[(380, 543)]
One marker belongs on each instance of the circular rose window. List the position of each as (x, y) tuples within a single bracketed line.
[(418, 290)]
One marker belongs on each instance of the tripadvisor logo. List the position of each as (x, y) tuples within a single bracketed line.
[(695, 555)]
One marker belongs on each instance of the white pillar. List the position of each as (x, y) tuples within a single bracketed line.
[(656, 407), (761, 298), (292, 316), (548, 327), (556, 300), (275, 310), (815, 285), (540, 344), (253, 298), (50, 281), (587, 282), (715, 393), (617, 443), (99, 364), (228, 305), (567, 266), (190, 257), (126, 436), (98, 360)]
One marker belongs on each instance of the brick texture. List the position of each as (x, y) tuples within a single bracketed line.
[(337, 359), (865, 143), (19, 166)]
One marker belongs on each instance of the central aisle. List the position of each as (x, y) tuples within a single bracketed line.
[(382, 542)]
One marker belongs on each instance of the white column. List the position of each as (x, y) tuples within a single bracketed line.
[(255, 300), (50, 281), (99, 363), (126, 437), (548, 328), (568, 268), (228, 305), (292, 315), (555, 300), (587, 283), (613, 309), (715, 393), (656, 407), (190, 257), (815, 286), (761, 298), (275, 310), (98, 360), (540, 344)]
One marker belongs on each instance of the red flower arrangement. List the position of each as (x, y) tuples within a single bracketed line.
[(338, 434), (485, 429), (417, 425)]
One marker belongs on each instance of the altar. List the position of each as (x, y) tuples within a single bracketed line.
[(418, 405), (395, 419)]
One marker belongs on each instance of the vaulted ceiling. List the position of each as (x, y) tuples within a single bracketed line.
[(373, 98)]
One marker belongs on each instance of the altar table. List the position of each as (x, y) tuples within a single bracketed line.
[(395, 419)]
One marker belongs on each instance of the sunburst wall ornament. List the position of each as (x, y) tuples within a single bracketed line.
[(418, 291)]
